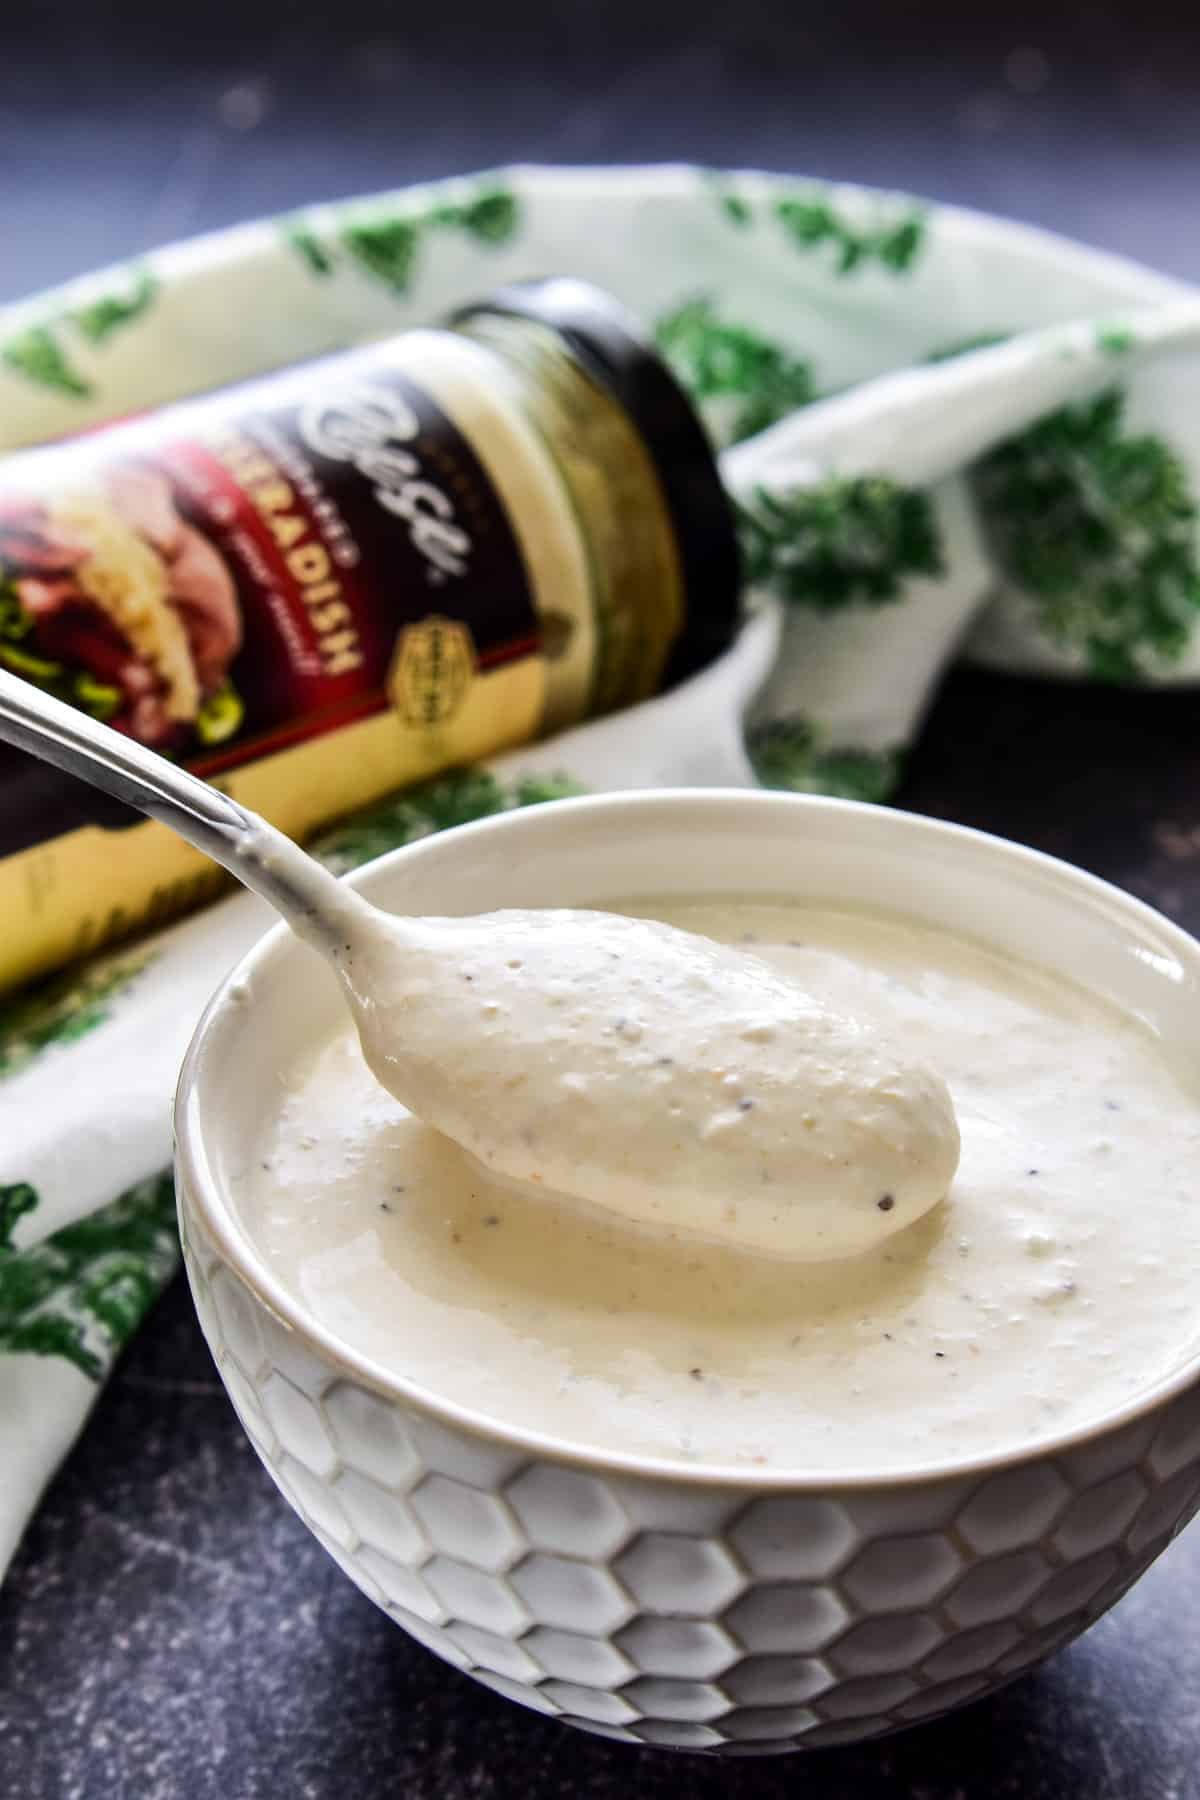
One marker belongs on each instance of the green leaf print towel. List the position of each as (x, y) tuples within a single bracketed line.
[(1069, 549)]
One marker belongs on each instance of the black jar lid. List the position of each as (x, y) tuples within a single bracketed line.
[(606, 341)]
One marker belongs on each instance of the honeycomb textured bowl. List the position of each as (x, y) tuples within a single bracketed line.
[(741, 1611)]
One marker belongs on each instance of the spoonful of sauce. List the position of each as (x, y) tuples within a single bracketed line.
[(612, 1060)]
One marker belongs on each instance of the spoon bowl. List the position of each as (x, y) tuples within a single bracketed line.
[(608, 1059)]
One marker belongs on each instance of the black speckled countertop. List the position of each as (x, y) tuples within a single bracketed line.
[(169, 1630)]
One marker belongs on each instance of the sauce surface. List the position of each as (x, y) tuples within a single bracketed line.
[(1056, 1280), (653, 1072)]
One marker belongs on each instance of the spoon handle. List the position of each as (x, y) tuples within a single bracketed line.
[(308, 896)]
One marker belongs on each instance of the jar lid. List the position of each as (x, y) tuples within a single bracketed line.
[(607, 342)]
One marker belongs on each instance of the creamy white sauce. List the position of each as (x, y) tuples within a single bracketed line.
[(1058, 1279), (673, 1080)]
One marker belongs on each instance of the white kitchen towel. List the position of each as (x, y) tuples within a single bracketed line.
[(1070, 549)]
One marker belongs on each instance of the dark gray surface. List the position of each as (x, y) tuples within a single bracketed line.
[(169, 1631), (126, 124)]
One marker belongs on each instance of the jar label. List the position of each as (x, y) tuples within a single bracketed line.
[(233, 584)]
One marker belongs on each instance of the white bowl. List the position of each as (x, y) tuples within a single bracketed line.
[(728, 1609)]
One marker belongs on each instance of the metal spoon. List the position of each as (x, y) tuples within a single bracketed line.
[(612, 1059)]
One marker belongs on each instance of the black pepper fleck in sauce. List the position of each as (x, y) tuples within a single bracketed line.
[(886, 1202)]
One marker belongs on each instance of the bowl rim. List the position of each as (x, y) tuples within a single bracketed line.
[(194, 1172)]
